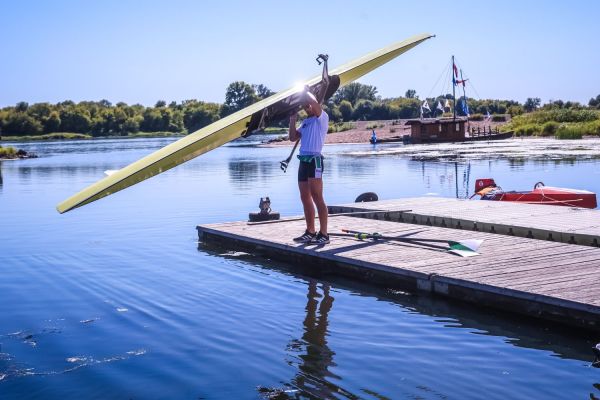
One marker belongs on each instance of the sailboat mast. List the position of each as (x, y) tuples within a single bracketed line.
[(464, 94), (453, 91)]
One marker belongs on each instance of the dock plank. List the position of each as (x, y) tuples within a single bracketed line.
[(554, 223), (548, 279)]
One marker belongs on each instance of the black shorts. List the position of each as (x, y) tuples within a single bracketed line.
[(307, 170)]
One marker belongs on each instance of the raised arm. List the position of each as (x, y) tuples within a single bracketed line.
[(293, 132), (314, 104)]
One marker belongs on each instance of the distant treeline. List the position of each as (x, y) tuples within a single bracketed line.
[(352, 102)]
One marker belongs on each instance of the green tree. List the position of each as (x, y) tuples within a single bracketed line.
[(334, 113), (160, 104), (238, 95), (152, 121), (363, 110), (199, 114), (52, 123), (515, 110), (39, 111), (262, 91), (75, 119), (403, 107), (354, 92), (411, 94), (532, 103), (20, 123), (22, 106), (346, 110), (131, 125)]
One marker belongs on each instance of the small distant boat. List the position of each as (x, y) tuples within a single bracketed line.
[(488, 190)]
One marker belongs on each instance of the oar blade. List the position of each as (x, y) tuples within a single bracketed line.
[(465, 248), (470, 244), (463, 253)]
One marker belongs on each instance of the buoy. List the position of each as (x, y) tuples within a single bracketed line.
[(265, 214), (365, 197)]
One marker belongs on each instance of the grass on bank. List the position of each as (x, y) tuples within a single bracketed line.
[(340, 127), (8, 152), (558, 123)]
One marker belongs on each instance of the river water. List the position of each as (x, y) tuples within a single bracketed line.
[(117, 299)]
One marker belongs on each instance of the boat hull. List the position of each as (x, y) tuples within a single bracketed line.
[(550, 196)]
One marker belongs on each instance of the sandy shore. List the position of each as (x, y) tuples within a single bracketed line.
[(384, 129)]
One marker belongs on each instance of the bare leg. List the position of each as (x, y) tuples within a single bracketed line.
[(316, 191), (309, 208)]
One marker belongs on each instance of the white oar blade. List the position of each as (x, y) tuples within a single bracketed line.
[(463, 253), (465, 248), (471, 244), (109, 172)]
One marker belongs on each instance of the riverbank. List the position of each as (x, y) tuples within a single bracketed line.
[(362, 131), (81, 136)]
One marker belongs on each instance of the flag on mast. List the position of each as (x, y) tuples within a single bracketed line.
[(455, 76), (440, 107), (465, 107), (424, 106)]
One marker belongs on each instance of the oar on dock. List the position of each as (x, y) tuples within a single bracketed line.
[(463, 248)]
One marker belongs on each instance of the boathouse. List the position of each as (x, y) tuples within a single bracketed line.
[(437, 130)]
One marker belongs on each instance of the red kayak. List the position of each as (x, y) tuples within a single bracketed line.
[(541, 194)]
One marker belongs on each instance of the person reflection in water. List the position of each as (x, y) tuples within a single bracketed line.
[(313, 377)]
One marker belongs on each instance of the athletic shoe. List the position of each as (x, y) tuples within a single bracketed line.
[(306, 237), (320, 239)]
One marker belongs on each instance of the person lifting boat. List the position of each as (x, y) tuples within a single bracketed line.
[(311, 133)]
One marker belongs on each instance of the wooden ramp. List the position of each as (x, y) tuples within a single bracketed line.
[(553, 223), (546, 279)]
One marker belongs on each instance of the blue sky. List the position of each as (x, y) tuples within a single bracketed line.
[(143, 51)]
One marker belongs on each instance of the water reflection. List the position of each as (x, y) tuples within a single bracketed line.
[(454, 177), (311, 352), (355, 167), (313, 376), (315, 362), (518, 331), (244, 172), (27, 173)]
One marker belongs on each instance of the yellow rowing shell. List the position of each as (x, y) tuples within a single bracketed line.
[(224, 130)]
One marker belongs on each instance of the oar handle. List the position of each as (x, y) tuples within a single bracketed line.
[(284, 164)]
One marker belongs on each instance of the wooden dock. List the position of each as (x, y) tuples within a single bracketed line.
[(550, 280), (554, 223)]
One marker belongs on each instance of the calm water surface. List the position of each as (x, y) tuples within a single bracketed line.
[(117, 300)]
